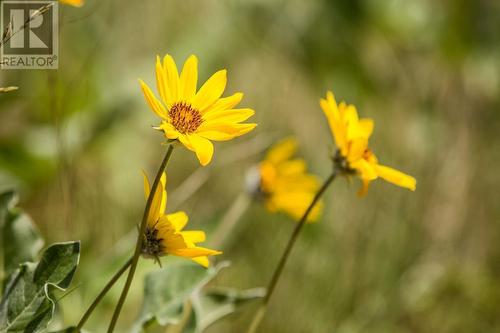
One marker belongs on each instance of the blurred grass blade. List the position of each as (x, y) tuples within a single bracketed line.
[(27, 305)]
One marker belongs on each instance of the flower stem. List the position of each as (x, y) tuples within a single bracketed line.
[(99, 297), (138, 245), (284, 257)]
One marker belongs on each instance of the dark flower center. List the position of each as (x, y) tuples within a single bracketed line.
[(151, 246), (184, 117), (341, 164)]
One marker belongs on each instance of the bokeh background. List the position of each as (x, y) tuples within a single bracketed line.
[(73, 142)]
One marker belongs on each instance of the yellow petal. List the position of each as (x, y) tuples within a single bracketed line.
[(178, 220), (225, 103), (203, 148), (185, 141), (356, 149), (361, 130), (75, 3), (292, 168), (194, 236), (337, 128), (350, 114), (163, 184), (396, 177), (172, 80), (366, 126), (224, 132), (169, 130), (295, 204), (161, 80), (202, 261), (146, 185), (170, 239), (211, 91), (364, 188), (365, 169), (153, 102), (216, 135), (230, 116), (195, 252), (282, 151), (159, 199), (188, 79)]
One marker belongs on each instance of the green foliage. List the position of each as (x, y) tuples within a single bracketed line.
[(27, 305), (211, 305), (179, 287), (166, 292), (20, 238)]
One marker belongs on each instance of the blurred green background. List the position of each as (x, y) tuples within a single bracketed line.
[(73, 141)]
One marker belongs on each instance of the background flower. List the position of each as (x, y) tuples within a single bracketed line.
[(285, 186), (353, 156)]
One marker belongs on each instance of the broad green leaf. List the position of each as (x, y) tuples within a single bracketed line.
[(21, 241), (166, 292), (211, 305), (27, 305)]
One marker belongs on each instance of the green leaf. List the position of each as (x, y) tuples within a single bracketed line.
[(166, 292), (21, 241), (211, 305), (27, 305), (8, 199)]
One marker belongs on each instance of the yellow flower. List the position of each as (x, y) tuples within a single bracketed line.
[(351, 136), (164, 233), (76, 3), (195, 118), (284, 184)]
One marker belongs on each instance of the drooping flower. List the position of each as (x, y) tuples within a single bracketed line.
[(353, 156), (195, 118), (75, 3), (284, 184), (164, 233)]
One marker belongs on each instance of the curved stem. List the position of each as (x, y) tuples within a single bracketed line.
[(138, 245), (99, 297), (284, 257)]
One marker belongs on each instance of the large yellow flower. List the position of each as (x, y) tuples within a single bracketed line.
[(285, 185), (164, 233), (351, 136), (195, 118)]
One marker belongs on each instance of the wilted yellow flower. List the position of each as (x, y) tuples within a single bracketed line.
[(351, 136), (285, 186), (164, 233), (195, 118), (76, 3)]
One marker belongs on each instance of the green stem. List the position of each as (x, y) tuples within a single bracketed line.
[(99, 297), (284, 257), (138, 246)]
